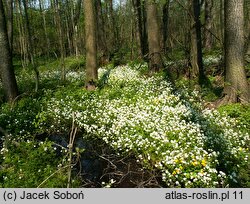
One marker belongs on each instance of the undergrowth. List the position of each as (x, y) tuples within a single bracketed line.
[(166, 130)]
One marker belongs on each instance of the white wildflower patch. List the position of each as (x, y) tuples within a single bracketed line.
[(212, 60), (142, 115)]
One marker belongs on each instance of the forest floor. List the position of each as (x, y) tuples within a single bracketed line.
[(134, 130)]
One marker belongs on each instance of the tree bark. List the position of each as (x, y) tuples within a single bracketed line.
[(91, 45), (247, 29), (155, 60), (236, 87), (6, 68), (222, 20)]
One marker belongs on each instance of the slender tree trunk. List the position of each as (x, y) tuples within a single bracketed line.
[(144, 31), (155, 61), (78, 9), (165, 11), (236, 87), (22, 41), (41, 6), (208, 24), (6, 68), (69, 36), (69, 27), (30, 45), (114, 28), (61, 38), (27, 30), (73, 28), (91, 45), (132, 39), (102, 47)]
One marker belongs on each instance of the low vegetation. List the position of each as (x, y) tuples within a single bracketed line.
[(165, 130)]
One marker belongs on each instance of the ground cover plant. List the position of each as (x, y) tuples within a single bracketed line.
[(166, 130)]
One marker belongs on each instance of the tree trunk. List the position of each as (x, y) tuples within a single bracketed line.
[(41, 6), (6, 69), (22, 39), (78, 9), (113, 27), (165, 11), (236, 87), (132, 39), (30, 44), (155, 60), (144, 31), (196, 44), (28, 30), (139, 27), (102, 47), (208, 25), (10, 23), (91, 45), (69, 26), (61, 38)]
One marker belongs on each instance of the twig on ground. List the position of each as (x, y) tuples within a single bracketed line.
[(71, 143)]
